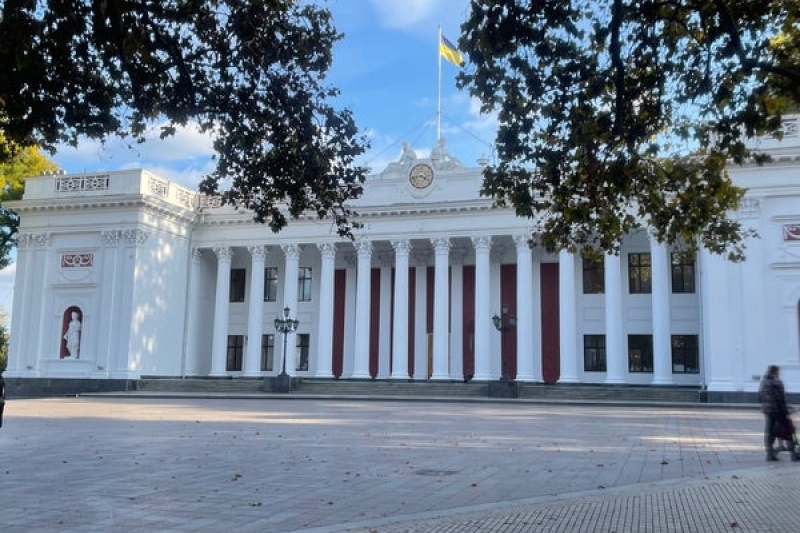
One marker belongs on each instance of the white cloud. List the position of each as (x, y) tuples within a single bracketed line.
[(188, 144), (394, 14)]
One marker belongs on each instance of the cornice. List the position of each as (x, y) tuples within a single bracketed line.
[(148, 203)]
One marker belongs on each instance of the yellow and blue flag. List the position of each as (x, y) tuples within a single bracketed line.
[(448, 51)]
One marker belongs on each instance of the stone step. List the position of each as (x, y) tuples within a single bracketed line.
[(427, 389), (201, 385)]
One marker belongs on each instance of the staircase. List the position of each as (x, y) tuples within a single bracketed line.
[(426, 390)]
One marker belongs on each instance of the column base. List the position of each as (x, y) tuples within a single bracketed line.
[(503, 388), (281, 384)]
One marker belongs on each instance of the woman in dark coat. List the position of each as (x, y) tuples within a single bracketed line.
[(773, 404)]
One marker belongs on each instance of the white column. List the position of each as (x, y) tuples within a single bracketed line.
[(536, 317), (19, 341), (291, 254), (400, 318), (441, 314), (361, 348), (524, 309), (349, 314), (457, 315), (567, 313), (255, 311), (385, 323), (421, 316), (616, 354), (483, 315), (219, 343), (193, 316), (662, 339), (324, 354)]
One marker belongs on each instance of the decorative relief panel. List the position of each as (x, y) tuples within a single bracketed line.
[(77, 266), (77, 260), (71, 184), (158, 187), (791, 232)]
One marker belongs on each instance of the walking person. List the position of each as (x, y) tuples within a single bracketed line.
[(2, 397), (772, 396)]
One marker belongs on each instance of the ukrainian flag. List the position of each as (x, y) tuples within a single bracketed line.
[(448, 51)]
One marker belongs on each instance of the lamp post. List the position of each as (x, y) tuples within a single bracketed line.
[(285, 325), (504, 324)]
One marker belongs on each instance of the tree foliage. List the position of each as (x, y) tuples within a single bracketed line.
[(13, 170), (621, 114), (250, 73)]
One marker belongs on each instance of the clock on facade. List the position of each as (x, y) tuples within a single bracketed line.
[(420, 176)]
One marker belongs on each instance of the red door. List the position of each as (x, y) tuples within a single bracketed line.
[(551, 364)]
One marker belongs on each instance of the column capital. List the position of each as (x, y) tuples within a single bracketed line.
[(291, 250), (482, 243), (223, 253), (441, 245), (457, 256), (523, 241), (363, 247), (111, 238), (258, 253), (421, 258), (402, 247), (327, 250), (197, 254), (134, 237)]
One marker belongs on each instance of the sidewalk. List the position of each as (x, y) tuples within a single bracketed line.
[(132, 464)]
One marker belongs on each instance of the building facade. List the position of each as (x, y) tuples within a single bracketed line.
[(124, 275)]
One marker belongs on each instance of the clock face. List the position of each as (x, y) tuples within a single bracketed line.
[(420, 176)]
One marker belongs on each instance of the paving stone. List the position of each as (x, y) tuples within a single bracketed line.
[(183, 464)]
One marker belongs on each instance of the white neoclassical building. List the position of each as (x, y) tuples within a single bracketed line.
[(124, 275)]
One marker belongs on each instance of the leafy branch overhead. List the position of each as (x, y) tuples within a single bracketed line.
[(250, 74), (616, 115)]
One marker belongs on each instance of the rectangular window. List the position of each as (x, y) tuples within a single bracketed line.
[(303, 343), (640, 353), (682, 273), (235, 353), (267, 352), (237, 284), (593, 276), (685, 354), (304, 285), (639, 274), (271, 284), (594, 353)]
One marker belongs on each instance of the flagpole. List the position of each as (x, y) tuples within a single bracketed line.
[(439, 88)]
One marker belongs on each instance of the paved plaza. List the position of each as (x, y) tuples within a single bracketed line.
[(137, 464)]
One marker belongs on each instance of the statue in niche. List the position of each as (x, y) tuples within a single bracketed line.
[(72, 335)]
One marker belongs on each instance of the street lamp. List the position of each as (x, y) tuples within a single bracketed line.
[(285, 325), (504, 324)]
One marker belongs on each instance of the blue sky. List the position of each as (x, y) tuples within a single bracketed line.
[(386, 68)]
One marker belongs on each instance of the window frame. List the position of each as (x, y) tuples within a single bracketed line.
[(688, 350), (234, 353), (304, 284), (238, 285), (597, 356), (267, 352), (302, 351), (645, 355), (270, 284), (594, 281), (680, 268), (640, 273)]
